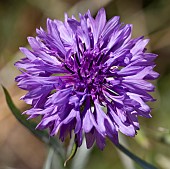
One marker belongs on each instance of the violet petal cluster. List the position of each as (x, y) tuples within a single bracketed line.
[(87, 77)]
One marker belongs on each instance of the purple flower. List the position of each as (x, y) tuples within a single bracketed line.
[(87, 76)]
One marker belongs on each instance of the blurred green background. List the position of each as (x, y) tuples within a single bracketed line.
[(20, 18)]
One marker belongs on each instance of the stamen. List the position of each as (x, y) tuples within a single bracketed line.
[(77, 59), (79, 74), (84, 47), (90, 66), (69, 69), (100, 59)]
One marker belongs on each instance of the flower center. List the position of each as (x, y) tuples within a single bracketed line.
[(88, 71)]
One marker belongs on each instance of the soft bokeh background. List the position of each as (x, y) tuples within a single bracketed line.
[(19, 149)]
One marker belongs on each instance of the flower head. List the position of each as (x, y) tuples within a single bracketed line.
[(87, 76)]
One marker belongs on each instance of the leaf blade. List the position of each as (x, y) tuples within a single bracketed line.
[(41, 135), (72, 154), (142, 163)]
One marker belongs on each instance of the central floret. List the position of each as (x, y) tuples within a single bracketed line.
[(88, 70)]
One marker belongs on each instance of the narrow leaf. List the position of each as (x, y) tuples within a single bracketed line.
[(42, 135), (142, 163), (72, 154), (82, 157)]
